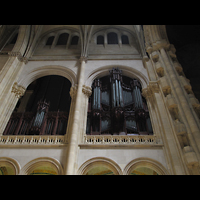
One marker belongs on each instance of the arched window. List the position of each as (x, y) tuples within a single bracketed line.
[(112, 38), (117, 107), (74, 40), (50, 40), (100, 39), (125, 39), (62, 40), (44, 108)]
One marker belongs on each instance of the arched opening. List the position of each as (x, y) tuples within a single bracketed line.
[(112, 38), (144, 166), (43, 170), (42, 166), (74, 40), (143, 171), (99, 166), (50, 40), (117, 107), (100, 170), (100, 39), (63, 38), (7, 169), (125, 39), (44, 108)]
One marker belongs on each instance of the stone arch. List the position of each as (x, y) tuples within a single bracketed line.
[(93, 162), (53, 165), (126, 70), (145, 162), (45, 71), (9, 166)]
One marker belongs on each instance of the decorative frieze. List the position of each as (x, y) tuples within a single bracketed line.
[(18, 90)]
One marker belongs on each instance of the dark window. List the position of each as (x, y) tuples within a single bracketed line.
[(125, 39), (112, 38), (62, 40), (74, 40), (100, 39), (50, 40)]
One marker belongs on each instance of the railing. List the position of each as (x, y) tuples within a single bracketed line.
[(122, 139), (54, 123), (34, 140)]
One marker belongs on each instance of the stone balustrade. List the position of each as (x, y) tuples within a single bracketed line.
[(122, 139), (32, 140)]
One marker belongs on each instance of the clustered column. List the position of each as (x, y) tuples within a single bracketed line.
[(176, 88)]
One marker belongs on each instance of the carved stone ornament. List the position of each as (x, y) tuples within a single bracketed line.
[(150, 90), (73, 91), (18, 90), (87, 90)]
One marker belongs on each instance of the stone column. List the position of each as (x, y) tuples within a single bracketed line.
[(74, 130)]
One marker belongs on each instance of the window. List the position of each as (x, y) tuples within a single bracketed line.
[(112, 38), (74, 40), (125, 39), (117, 107), (62, 40), (100, 39), (50, 40)]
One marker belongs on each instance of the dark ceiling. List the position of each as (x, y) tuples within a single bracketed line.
[(186, 40)]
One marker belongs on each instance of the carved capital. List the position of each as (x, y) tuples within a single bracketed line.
[(87, 90), (73, 91), (83, 58), (18, 90)]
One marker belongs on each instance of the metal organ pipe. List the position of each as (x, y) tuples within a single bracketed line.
[(113, 95), (121, 95), (117, 92)]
